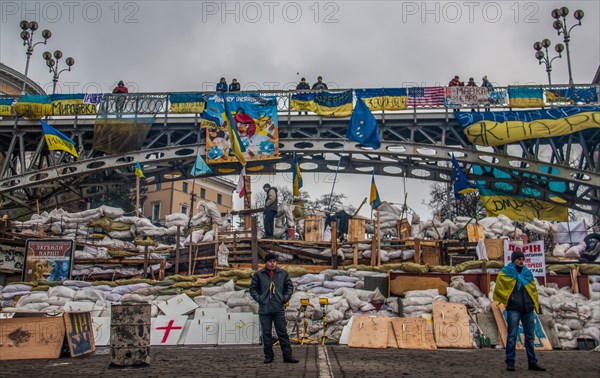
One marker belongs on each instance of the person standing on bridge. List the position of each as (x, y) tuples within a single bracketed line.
[(302, 85), (120, 100), (516, 289), (272, 288), (221, 85), (270, 210), (319, 85), (120, 88), (234, 86)]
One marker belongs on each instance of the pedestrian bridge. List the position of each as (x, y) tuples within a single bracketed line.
[(416, 143)]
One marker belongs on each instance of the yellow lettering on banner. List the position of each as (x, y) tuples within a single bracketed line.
[(386, 102), (524, 209), (188, 107), (490, 133), (5, 110), (72, 107), (303, 105), (56, 143)]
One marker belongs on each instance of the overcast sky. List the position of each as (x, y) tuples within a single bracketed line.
[(167, 46)]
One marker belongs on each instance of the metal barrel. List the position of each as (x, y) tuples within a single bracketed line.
[(130, 335)]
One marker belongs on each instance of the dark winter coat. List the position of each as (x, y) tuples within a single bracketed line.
[(271, 298)]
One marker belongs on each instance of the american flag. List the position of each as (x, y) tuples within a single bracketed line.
[(426, 96)]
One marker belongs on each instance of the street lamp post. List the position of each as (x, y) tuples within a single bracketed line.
[(53, 65), (545, 58), (27, 38), (561, 28)]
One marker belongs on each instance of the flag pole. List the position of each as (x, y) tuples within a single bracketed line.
[(330, 205), (137, 196)]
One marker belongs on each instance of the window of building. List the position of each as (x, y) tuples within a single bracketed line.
[(202, 193), (184, 209), (157, 187), (184, 187), (155, 212), (219, 199)]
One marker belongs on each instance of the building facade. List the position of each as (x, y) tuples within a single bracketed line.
[(171, 197)]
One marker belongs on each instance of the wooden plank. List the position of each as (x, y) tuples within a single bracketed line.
[(475, 233), (29, 338), (451, 325), (369, 332), (295, 252), (413, 333), (500, 323), (313, 228), (401, 284), (540, 339), (355, 256), (356, 230), (80, 335)]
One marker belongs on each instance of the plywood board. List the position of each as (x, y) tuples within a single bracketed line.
[(101, 328), (500, 323), (178, 305), (210, 313), (413, 333), (166, 330), (369, 332), (540, 340), (202, 332), (79, 331), (549, 325), (451, 325), (475, 233), (403, 283), (391, 340), (345, 337), (487, 323), (239, 329), (29, 338), (494, 248)]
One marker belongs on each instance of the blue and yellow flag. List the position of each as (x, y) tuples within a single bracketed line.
[(187, 103), (296, 177), (237, 147), (374, 199), (33, 106), (304, 101), (384, 98), (520, 97), (6, 106), (363, 126), (333, 104), (509, 278), (459, 180), (57, 140), (71, 104), (138, 170)]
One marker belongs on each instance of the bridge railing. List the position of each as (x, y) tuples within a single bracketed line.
[(496, 99)]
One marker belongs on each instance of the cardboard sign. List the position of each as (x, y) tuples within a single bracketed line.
[(47, 260), (535, 259), (101, 328), (31, 337), (166, 330), (80, 334), (239, 328), (540, 340)]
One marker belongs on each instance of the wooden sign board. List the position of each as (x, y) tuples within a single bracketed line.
[(451, 325), (475, 233), (80, 334), (540, 340), (31, 337), (403, 283), (413, 333), (391, 341), (494, 248), (369, 332)]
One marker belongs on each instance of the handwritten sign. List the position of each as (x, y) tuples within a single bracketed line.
[(11, 258), (469, 95), (535, 259)]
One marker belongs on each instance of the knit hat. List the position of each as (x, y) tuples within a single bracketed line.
[(516, 255), (270, 256)]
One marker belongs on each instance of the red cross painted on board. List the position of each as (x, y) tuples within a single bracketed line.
[(168, 329)]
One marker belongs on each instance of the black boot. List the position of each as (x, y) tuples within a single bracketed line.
[(536, 367), (268, 359), (290, 360), (510, 366)]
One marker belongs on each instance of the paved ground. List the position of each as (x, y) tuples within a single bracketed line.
[(315, 361)]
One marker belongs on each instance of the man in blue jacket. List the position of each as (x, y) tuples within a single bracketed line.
[(271, 287)]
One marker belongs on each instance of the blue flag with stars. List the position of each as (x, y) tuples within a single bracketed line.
[(461, 184), (363, 126)]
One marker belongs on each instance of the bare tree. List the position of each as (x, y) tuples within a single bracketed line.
[(445, 206)]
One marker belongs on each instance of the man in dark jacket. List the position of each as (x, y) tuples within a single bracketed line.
[(271, 287), (270, 210), (516, 288)]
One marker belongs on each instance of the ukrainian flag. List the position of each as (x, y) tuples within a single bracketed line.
[(34, 106), (57, 140), (304, 101), (187, 103), (6, 106), (71, 104), (333, 104), (138, 170), (519, 97), (296, 177), (509, 278), (237, 147), (374, 199), (384, 98)]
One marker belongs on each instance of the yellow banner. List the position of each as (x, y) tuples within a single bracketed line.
[(72, 107), (386, 102), (489, 133), (524, 209), (33, 110), (308, 106), (337, 111), (526, 103), (188, 107), (5, 110)]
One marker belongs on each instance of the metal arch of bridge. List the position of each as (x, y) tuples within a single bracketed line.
[(415, 145)]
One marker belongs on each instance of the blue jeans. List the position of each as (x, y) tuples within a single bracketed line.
[(527, 319)]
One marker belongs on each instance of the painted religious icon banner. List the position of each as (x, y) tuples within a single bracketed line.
[(255, 118), (47, 260)]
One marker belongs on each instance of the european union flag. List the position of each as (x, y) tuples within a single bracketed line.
[(374, 199), (363, 126), (461, 184)]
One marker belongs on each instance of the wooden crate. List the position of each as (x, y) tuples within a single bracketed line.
[(403, 229), (313, 228), (431, 254), (356, 230)]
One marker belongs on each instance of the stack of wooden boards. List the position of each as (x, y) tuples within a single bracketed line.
[(448, 327)]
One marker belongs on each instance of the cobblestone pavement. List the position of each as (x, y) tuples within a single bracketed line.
[(315, 361)]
